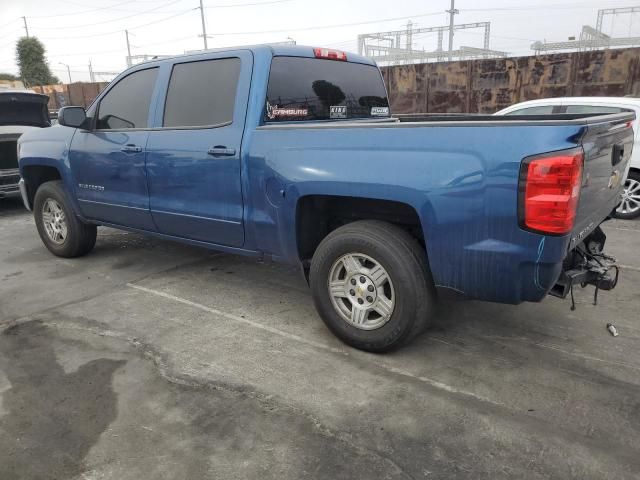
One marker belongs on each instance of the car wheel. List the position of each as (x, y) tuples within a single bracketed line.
[(630, 206), (371, 285), (59, 228)]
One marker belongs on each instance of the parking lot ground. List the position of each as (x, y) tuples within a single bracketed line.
[(152, 360)]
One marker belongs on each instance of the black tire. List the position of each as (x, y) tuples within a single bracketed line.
[(405, 261), (634, 176), (81, 237)]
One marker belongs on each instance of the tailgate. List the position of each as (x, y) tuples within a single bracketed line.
[(607, 142)]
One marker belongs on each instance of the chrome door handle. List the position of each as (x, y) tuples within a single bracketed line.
[(130, 148), (221, 151)]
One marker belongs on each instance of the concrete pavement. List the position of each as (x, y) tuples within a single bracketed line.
[(149, 359)]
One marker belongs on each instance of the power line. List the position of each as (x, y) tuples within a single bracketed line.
[(9, 23), (13, 32), (566, 6), (120, 31), (246, 4), (113, 19), (340, 25), (320, 27), (68, 14)]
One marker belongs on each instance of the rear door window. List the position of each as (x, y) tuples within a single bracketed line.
[(202, 93), (126, 104), (315, 89)]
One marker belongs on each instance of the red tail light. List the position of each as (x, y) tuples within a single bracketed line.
[(330, 54), (549, 192)]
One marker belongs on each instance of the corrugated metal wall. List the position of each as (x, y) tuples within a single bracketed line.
[(485, 86)]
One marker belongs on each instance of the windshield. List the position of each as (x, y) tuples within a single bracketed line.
[(312, 89), (24, 109)]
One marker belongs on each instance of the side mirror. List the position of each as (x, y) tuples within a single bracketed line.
[(72, 117)]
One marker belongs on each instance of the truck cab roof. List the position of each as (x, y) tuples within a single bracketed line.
[(258, 50)]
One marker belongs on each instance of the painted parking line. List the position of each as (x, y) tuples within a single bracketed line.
[(624, 229), (630, 267), (236, 318)]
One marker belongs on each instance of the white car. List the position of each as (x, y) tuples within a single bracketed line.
[(20, 111), (630, 205)]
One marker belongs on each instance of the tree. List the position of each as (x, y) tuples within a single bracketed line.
[(328, 93), (33, 65), (8, 76)]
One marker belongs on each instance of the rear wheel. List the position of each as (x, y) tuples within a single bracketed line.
[(59, 228), (371, 285), (630, 206)]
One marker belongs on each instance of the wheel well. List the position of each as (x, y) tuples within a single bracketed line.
[(318, 215), (36, 175)]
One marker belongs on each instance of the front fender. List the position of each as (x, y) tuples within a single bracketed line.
[(49, 147)]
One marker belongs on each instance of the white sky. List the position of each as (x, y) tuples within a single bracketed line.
[(76, 31)]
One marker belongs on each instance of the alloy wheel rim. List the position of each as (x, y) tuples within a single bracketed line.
[(54, 221), (361, 291), (630, 197)]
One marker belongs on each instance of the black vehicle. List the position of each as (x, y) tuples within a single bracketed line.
[(20, 111)]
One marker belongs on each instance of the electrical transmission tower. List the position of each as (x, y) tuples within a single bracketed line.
[(594, 38), (396, 47)]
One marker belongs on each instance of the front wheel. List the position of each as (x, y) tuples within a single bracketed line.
[(630, 206), (59, 228), (371, 285)]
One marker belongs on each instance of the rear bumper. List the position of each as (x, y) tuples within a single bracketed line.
[(515, 273), (23, 192), (9, 180), (587, 266)]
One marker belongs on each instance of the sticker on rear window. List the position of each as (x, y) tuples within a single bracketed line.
[(338, 111), (274, 111), (379, 111)]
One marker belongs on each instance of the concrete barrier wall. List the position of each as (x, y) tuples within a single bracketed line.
[(485, 86), (477, 86)]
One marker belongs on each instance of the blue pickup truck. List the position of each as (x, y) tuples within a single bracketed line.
[(291, 154)]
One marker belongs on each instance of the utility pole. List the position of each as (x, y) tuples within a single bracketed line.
[(92, 77), (451, 13), (126, 34), (68, 70), (204, 28), (26, 28)]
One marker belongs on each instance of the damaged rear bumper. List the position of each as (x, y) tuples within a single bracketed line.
[(587, 264)]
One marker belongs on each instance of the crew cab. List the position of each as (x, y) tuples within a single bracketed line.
[(291, 154), (20, 110)]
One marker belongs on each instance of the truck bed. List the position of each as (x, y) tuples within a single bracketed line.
[(547, 119), (461, 173)]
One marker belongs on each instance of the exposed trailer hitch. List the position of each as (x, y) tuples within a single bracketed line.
[(587, 265)]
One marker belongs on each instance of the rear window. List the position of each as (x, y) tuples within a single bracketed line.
[(312, 89)]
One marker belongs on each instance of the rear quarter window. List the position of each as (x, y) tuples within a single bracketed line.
[(302, 89)]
